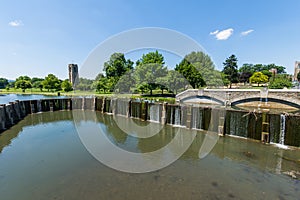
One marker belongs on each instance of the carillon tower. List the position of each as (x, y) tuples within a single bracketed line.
[(73, 74)]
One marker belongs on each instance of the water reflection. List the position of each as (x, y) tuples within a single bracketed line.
[(6, 98), (43, 158)]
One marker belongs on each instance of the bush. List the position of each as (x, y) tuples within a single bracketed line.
[(280, 83)]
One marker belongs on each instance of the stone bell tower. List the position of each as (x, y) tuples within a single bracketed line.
[(73, 74)]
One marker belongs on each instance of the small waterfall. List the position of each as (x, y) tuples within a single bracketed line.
[(32, 108), (69, 103), (51, 106), (154, 112), (194, 118), (83, 104), (282, 129), (109, 106), (177, 120), (39, 105), (122, 107), (94, 103), (171, 115)]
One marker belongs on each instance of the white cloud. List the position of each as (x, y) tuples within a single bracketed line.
[(15, 23), (244, 33), (222, 35), (214, 33)]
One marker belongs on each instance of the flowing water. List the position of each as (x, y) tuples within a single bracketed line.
[(282, 129), (42, 157)]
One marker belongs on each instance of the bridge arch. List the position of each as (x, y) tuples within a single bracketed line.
[(290, 97), (195, 98), (269, 99)]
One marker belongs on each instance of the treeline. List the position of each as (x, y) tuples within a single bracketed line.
[(196, 70), (272, 74), (149, 73), (49, 83)]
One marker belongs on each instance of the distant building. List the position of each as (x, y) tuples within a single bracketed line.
[(297, 70), (73, 74)]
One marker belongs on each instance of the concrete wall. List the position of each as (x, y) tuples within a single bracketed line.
[(222, 121)]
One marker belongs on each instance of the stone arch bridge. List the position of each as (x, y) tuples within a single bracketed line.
[(290, 97)]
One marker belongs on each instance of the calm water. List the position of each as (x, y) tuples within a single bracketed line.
[(6, 98), (42, 157)]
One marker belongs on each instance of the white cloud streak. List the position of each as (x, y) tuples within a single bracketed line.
[(214, 33), (222, 35), (15, 23), (245, 33)]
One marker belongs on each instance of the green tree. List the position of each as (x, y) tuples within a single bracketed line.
[(103, 84), (66, 86), (175, 82), (23, 82), (143, 88), (280, 82), (51, 82), (258, 77), (116, 67), (3, 83), (204, 68), (258, 67), (125, 83), (245, 72), (230, 69), (85, 84), (225, 79), (190, 73), (280, 69), (150, 68), (37, 83), (267, 73), (298, 76)]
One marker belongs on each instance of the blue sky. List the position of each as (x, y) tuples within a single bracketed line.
[(38, 37)]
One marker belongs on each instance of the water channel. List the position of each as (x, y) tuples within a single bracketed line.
[(42, 157)]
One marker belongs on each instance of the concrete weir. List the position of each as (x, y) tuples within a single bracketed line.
[(223, 121)]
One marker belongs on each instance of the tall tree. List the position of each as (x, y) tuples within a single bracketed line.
[(280, 69), (175, 82), (205, 67), (116, 67), (259, 77), (150, 68), (23, 82), (230, 69), (125, 83), (298, 76), (3, 83), (103, 84), (245, 72), (190, 73), (84, 84), (51, 82), (37, 83), (66, 86)]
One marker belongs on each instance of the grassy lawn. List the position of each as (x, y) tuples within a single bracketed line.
[(90, 93)]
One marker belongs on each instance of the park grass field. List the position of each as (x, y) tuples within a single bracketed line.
[(156, 94)]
